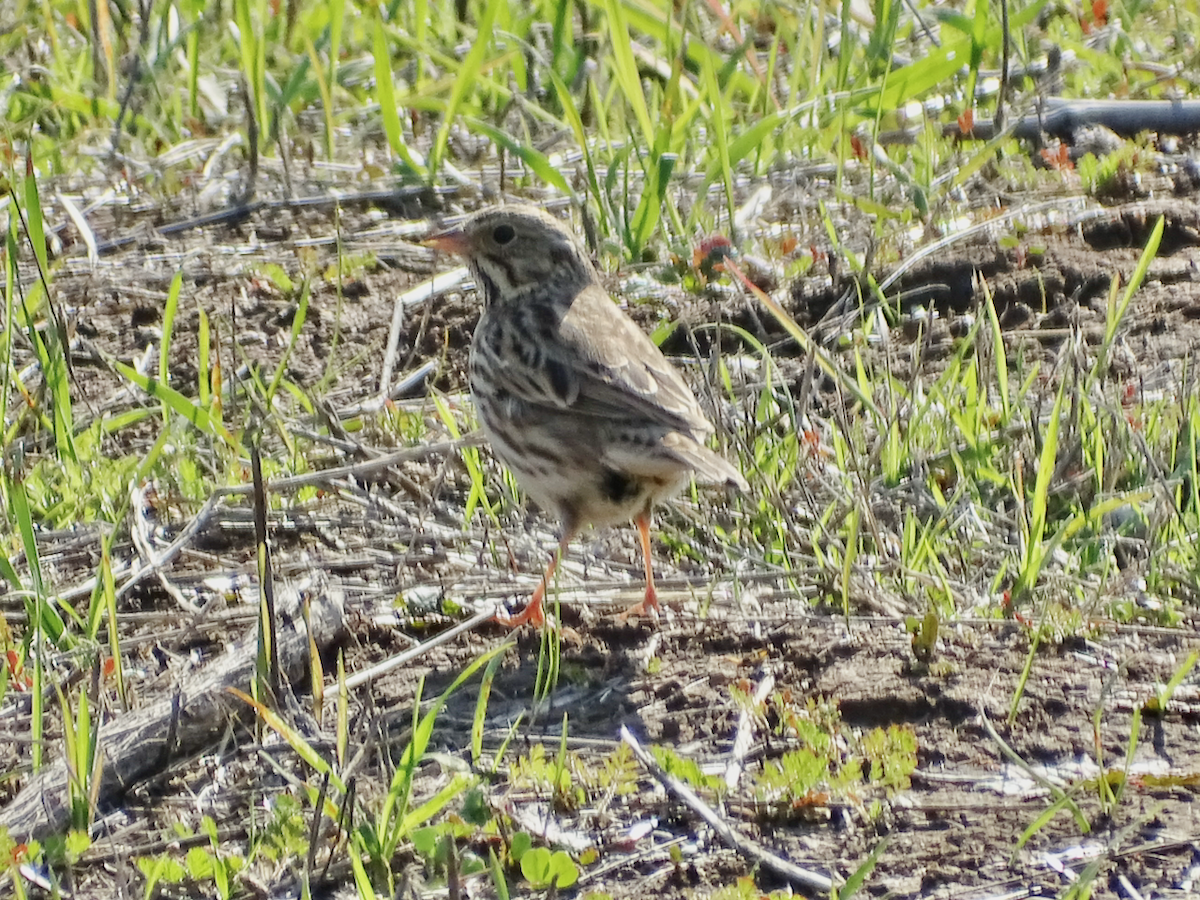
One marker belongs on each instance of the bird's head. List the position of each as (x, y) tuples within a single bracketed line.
[(515, 249)]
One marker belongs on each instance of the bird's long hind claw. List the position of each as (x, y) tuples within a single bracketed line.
[(532, 613), (648, 607)]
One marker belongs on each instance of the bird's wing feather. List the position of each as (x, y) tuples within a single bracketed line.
[(601, 364)]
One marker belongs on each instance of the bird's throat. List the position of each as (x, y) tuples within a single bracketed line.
[(487, 289)]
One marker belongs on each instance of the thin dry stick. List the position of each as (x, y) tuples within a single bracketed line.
[(359, 678), (139, 534), (154, 563), (745, 733), (359, 470), (376, 402), (438, 284), (750, 849)]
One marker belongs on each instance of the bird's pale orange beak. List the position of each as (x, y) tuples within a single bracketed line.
[(452, 241)]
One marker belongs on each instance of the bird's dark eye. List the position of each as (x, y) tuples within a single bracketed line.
[(503, 234)]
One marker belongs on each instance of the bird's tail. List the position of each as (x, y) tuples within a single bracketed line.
[(709, 467), (668, 459)]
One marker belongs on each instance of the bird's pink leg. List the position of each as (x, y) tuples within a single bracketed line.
[(534, 611), (649, 605)]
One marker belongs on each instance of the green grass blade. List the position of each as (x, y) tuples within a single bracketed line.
[(337, 21), (298, 319), (575, 121), (653, 19), (824, 361), (34, 223), (168, 319), (49, 344), (741, 146), (470, 458), (649, 208), (625, 69), (538, 163), (942, 64), (386, 95), (108, 592), (718, 113), (465, 80), (248, 41), (324, 81), (1116, 313), (478, 721), (1035, 551), (41, 615), (197, 415), (203, 371), (293, 738), (998, 351), (395, 819)]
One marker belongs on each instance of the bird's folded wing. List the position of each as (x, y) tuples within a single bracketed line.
[(610, 369)]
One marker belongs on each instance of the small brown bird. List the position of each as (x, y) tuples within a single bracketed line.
[(577, 401)]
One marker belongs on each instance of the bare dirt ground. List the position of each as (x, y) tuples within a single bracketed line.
[(397, 535)]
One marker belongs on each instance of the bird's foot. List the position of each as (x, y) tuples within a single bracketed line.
[(648, 607), (532, 613)]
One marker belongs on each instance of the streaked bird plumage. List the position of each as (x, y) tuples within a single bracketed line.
[(576, 400)]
